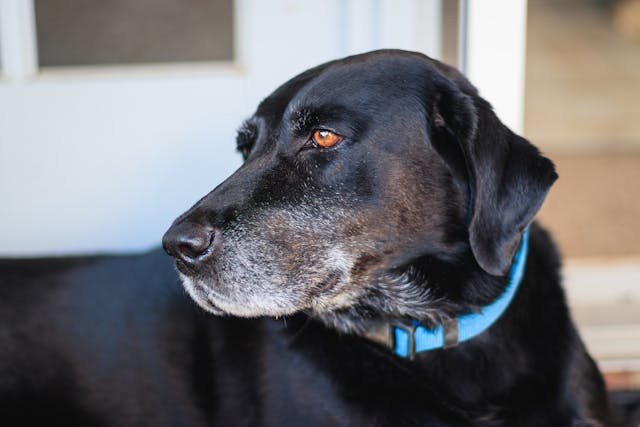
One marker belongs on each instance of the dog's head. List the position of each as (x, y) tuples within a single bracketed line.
[(365, 181)]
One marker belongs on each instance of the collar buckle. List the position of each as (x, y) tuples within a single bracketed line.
[(451, 337), (402, 339), (405, 339)]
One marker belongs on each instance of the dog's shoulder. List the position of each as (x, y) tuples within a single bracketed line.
[(30, 280)]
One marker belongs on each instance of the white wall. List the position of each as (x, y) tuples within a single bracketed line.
[(91, 164)]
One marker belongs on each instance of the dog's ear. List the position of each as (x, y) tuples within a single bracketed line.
[(506, 178)]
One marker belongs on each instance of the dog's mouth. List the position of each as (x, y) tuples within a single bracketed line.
[(213, 296), (200, 294), (182, 267)]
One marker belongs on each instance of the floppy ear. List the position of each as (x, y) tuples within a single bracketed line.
[(506, 177)]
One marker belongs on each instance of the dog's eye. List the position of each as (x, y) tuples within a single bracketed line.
[(325, 138)]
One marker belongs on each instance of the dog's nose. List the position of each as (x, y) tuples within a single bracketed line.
[(190, 243)]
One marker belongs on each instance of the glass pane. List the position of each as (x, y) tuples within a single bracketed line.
[(93, 32)]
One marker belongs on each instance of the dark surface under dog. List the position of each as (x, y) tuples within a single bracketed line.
[(408, 205)]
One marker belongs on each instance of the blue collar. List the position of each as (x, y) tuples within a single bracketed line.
[(405, 340)]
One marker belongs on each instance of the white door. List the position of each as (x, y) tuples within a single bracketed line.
[(103, 157)]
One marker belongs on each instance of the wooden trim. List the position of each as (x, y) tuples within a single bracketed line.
[(222, 69), (494, 54), (18, 39), (602, 281)]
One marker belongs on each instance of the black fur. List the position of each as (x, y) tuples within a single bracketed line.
[(415, 214)]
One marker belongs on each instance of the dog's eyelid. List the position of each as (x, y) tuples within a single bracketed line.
[(244, 148), (304, 121), (247, 131), (246, 137), (244, 141)]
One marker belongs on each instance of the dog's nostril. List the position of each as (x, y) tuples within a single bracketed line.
[(189, 242), (195, 245)]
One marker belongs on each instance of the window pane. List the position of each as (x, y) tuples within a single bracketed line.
[(92, 32)]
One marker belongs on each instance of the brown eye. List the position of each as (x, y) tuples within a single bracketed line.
[(325, 138)]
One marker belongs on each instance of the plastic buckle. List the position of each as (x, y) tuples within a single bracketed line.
[(410, 331)]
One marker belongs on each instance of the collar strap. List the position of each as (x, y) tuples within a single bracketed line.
[(405, 340)]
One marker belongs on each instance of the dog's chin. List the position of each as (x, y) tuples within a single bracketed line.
[(217, 304), (199, 294)]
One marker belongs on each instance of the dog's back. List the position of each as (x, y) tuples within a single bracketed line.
[(100, 341)]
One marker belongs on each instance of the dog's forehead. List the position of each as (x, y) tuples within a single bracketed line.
[(374, 79)]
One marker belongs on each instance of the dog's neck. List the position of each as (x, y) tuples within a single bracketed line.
[(442, 325)]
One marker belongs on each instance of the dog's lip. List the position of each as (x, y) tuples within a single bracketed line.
[(203, 294), (182, 267), (215, 300), (211, 307), (213, 296)]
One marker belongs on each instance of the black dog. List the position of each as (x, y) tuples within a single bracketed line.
[(382, 214)]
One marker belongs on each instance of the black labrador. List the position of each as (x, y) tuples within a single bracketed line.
[(372, 262)]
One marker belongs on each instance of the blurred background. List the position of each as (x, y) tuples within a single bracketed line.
[(117, 115)]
